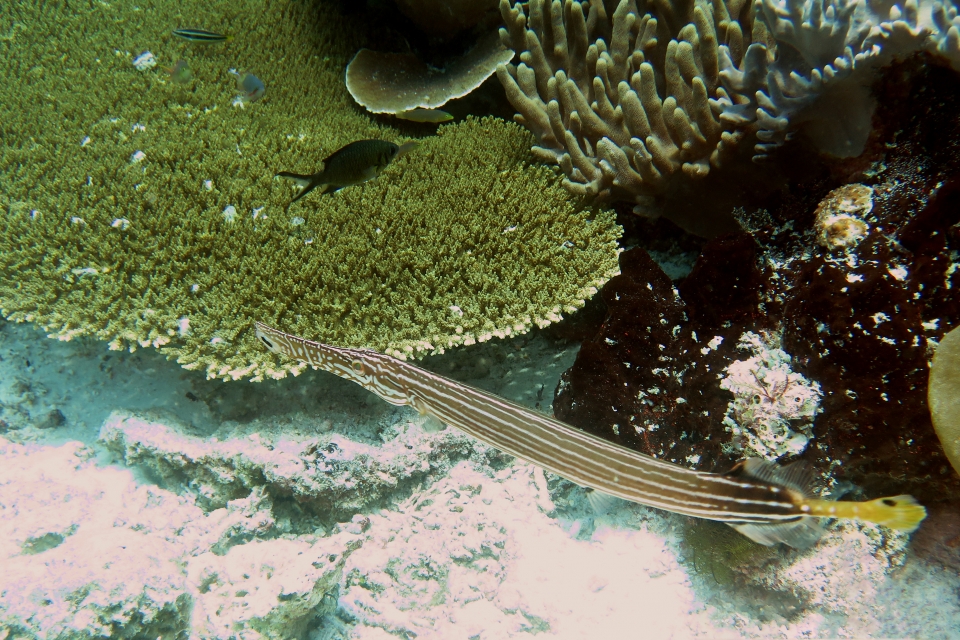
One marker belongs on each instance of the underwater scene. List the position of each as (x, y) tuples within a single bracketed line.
[(479, 319)]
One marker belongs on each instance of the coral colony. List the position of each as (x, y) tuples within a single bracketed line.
[(625, 102)]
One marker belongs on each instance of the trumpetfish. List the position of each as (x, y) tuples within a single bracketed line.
[(765, 502)]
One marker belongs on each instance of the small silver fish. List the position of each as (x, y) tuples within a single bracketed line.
[(433, 116), (353, 164), (200, 35)]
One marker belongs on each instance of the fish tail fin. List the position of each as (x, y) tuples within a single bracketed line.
[(301, 179), (897, 512), (308, 182)]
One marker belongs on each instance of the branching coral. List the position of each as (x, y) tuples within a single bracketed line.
[(145, 213), (615, 105), (625, 99)]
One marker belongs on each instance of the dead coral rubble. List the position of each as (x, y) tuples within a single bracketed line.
[(857, 319)]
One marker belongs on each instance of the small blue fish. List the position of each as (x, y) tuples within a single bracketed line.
[(200, 35), (180, 73), (251, 87)]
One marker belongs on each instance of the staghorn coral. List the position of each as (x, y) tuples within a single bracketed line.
[(627, 98), (144, 212)]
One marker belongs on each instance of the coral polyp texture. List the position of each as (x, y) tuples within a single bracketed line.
[(626, 97), (144, 211), (786, 342)]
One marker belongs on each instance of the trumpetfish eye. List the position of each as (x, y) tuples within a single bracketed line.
[(357, 366)]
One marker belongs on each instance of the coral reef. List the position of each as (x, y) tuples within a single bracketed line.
[(773, 407), (649, 379), (398, 82), (147, 214), (631, 98), (839, 222), (843, 576), (855, 318), (466, 545), (846, 570)]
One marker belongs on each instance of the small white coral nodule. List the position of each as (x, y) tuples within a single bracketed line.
[(839, 220)]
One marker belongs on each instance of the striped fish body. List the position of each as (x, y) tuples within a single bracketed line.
[(200, 35), (767, 503), (352, 164)]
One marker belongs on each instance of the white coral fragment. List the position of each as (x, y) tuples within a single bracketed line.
[(145, 61), (773, 408), (839, 222)]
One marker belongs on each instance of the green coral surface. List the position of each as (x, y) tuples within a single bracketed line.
[(146, 212)]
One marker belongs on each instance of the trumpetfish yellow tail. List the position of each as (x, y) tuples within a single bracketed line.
[(761, 500)]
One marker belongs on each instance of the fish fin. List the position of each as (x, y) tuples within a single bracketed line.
[(797, 476), (429, 424), (897, 512), (602, 503), (799, 534), (309, 183), (307, 189), (299, 178), (407, 147)]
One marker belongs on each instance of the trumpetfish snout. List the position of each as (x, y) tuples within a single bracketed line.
[(763, 501)]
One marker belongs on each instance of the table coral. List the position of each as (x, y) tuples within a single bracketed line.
[(145, 213), (399, 82)]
